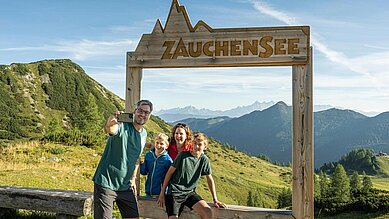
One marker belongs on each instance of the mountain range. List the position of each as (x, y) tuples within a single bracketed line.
[(34, 95), (268, 132), (175, 114), (180, 113)]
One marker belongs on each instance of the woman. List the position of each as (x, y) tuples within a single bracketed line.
[(180, 140)]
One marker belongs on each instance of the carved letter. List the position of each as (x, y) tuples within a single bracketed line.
[(268, 49), (279, 46), (219, 47), (235, 48), (198, 51), (180, 50), (252, 47), (293, 46), (169, 46), (206, 50)]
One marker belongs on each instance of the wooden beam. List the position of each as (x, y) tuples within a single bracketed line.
[(302, 143), (133, 87), (133, 93), (148, 209), (62, 202)]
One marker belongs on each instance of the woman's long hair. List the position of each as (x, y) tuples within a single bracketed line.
[(189, 136)]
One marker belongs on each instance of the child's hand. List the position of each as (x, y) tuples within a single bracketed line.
[(219, 204), (161, 200)]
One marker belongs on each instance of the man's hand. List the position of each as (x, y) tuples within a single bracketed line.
[(133, 186), (161, 200), (112, 122)]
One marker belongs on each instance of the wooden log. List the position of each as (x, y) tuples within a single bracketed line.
[(59, 201), (302, 142), (148, 208)]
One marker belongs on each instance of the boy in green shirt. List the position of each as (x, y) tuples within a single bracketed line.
[(182, 179)]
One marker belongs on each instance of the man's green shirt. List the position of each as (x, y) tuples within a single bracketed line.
[(189, 169), (120, 156)]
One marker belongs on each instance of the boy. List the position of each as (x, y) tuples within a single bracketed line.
[(156, 164), (182, 178)]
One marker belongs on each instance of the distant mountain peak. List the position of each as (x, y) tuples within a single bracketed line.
[(176, 114)]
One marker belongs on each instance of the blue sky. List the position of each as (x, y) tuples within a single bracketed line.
[(350, 41)]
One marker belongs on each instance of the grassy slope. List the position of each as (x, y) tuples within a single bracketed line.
[(30, 164), (22, 164), (381, 181)]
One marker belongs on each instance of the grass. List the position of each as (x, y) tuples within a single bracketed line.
[(383, 163), (356, 215), (49, 165)]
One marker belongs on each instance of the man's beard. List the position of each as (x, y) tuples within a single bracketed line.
[(140, 121)]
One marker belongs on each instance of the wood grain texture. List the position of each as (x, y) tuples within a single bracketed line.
[(279, 45), (148, 208), (59, 201), (302, 143)]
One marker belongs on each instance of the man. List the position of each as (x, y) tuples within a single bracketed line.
[(114, 180)]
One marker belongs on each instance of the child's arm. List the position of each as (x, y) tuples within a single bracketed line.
[(143, 167), (161, 198), (212, 188)]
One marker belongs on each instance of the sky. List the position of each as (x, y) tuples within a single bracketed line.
[(350, 41)]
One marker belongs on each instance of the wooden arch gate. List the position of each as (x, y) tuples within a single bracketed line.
[(181, 45)]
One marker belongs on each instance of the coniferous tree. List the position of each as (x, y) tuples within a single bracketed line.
[(90, 119), (254, 199), (355, 184), (316, 187), (285, 198), (250, 201), (324, 186), (54, 126), (340, 186), (367, 185)]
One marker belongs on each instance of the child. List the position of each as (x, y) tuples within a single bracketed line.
[(182, 179), (156, 164)]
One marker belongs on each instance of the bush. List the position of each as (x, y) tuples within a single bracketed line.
[(74, 137)]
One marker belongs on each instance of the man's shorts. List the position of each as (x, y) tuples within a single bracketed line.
[(104, 199), (175, 204)]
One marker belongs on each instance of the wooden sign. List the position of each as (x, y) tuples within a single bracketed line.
[(179, 44)]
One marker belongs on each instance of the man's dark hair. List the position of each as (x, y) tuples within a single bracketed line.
[(145, 102)]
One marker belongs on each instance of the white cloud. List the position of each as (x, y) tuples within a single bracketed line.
[(361, 65), (83, 49)]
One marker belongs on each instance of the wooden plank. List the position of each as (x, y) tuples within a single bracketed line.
[(148, 209), (59, 201), (179, 44), (302, 143)]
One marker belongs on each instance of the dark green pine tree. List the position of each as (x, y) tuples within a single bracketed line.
[(54, 126), (324, 183), (90, 118), (250, 200), (316, 187), (355, 184), (340, 186), (367, 185), (254, 199), (284, 198)]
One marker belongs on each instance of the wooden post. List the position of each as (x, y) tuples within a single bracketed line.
[(133, 88), (133, 92), (302, 143)]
